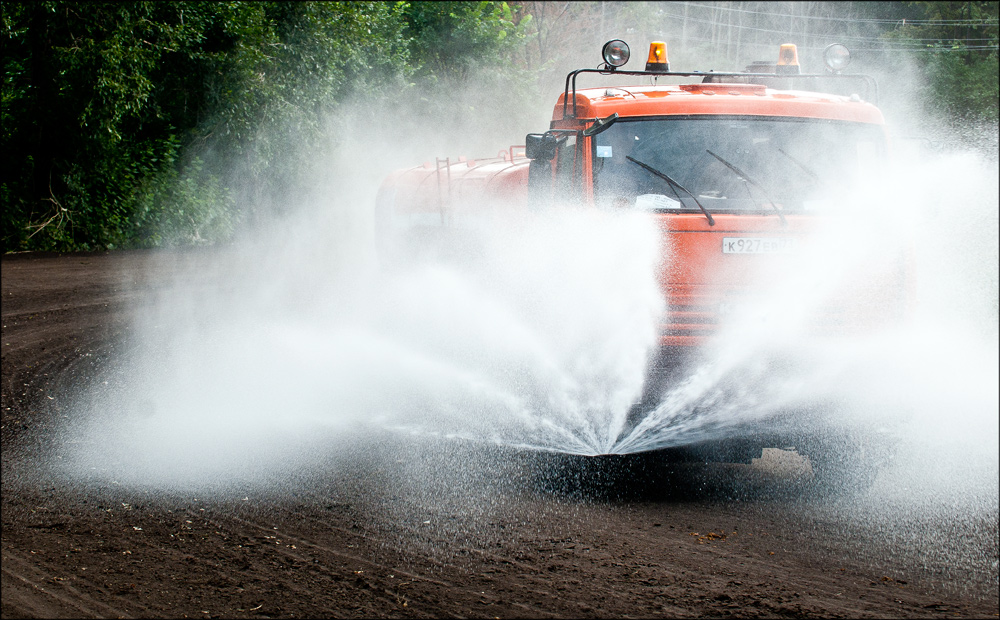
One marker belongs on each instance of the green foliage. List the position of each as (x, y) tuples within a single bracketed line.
[(960, 60), (963, 88), (454, 38), (148, 123), (86, 89), (101, 102), (182, 206), (465, 59)]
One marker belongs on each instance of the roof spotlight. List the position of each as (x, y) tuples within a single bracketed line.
[(836, 57), (615, 53)]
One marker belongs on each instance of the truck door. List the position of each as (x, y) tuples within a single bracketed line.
[(569, 170), (556, 175)]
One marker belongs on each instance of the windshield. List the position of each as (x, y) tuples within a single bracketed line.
[(773, 163)]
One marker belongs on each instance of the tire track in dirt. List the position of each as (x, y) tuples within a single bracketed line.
[(439, 590), (514, 578), (58, 596)]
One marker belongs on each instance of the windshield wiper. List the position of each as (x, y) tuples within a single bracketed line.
[(673, 184), (744, 177), (805, 168)]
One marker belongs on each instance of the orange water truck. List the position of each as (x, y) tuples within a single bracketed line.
[(736, 167)]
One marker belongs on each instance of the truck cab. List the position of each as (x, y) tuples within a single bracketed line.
[(736, 168)]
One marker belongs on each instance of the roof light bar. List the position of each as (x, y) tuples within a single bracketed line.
[(616, 54)]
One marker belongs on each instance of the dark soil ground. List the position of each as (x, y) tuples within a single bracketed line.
[(372, 534)]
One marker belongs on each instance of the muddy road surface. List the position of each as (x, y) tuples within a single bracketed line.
[(395, 526)]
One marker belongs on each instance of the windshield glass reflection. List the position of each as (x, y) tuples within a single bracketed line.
[(801, 165)]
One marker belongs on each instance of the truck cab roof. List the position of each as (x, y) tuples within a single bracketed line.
[(716, 99)]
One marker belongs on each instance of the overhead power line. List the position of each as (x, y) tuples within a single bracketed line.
[(920, 22), (902, 44), (876, 48)]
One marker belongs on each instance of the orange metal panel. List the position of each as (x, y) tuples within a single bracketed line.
[(711, 99)]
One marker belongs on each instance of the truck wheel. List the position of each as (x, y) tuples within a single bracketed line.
[(848, 465), (607, 477)]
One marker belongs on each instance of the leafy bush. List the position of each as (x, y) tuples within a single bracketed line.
[(112, 111)]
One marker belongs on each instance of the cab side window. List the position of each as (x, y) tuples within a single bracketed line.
[(569, 169)]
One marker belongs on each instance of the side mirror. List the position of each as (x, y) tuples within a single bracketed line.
[(540, 146)]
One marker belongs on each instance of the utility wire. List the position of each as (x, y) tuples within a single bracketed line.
[(863, 49), (902, 45), (786, 31), (922, 22)]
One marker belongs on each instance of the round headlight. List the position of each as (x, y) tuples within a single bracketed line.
[(615, 52), (836, 57)]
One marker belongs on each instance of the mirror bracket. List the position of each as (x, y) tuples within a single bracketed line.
[(600, 125)]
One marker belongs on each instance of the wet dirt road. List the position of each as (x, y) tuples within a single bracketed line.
[(401, 527)]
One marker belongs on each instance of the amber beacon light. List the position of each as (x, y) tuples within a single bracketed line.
[(788, 59), (657, 61)]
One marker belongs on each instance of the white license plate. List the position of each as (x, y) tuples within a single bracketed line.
[(757, 245)]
